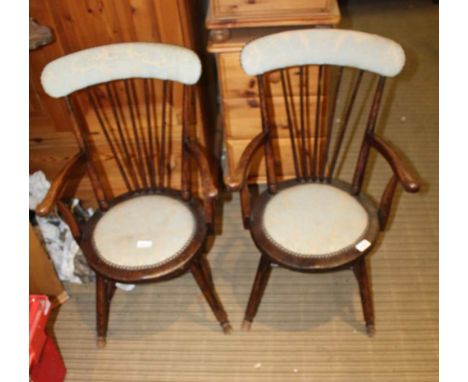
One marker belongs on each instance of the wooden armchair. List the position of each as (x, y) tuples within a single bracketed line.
[(315, 221), (153, 231)]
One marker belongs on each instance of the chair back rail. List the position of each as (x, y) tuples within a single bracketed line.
[(111, 62), (336, 47)]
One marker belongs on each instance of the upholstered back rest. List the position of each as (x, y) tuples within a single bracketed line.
[(106, 63), (293, 72), (132, 103), (323, 47)]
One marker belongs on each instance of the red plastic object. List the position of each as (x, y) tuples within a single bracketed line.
[(45, 361)]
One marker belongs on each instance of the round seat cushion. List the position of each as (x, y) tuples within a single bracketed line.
[(144, 232), (314, 220)]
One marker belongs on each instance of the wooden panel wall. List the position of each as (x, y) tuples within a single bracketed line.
[(82, 24)]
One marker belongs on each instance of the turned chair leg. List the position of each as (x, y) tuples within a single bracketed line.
[(110, 290), (202, 274), (206, 269), (104, 292), (258, 288), (360, 271)]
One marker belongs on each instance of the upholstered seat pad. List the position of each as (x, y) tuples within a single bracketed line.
[(144, 231), (314, 219)]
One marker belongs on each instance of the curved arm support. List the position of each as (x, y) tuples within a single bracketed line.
[(407, 180), (195, 149), (236, 181), (386, 200), (68, 217), (59, 183)]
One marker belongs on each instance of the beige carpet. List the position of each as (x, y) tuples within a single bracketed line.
[(309, 326)]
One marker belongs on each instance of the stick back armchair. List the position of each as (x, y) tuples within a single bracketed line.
[(153, 231), (315, 221)]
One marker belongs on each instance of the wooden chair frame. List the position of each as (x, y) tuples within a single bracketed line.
[(316, 166), (143, 174)]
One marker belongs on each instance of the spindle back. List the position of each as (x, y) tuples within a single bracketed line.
[(315, 147), (137, 97)]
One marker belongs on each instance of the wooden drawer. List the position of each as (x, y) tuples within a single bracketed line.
[(242, 117), (236, 84), (256, 13), (282, 149), (245, 9)]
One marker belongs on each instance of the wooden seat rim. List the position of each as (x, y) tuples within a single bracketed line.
[(164, 270), (303, 263)]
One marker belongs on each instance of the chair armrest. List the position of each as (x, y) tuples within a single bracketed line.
[(59, 183), (407, 180), (196, 150), (238, 178)]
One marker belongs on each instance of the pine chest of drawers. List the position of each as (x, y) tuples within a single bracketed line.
[(233, 23)]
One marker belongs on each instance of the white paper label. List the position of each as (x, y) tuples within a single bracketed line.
[(144, 244), (363, 245)]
